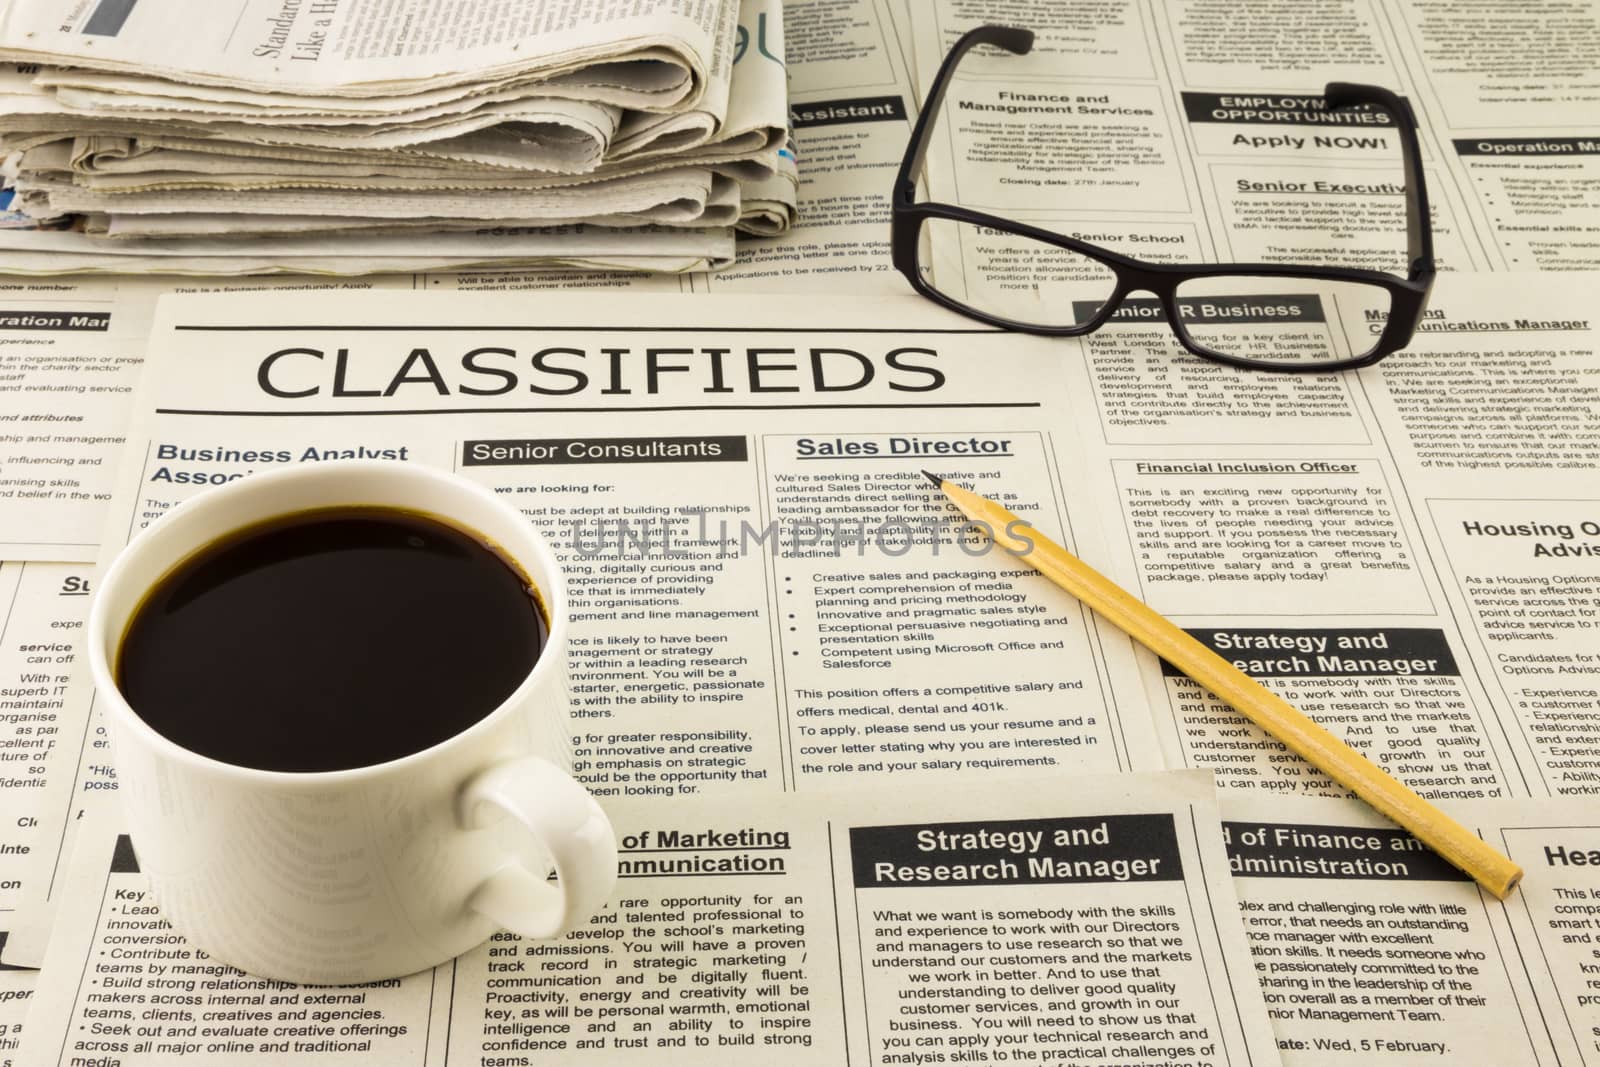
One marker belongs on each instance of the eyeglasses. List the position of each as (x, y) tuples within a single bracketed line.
[(1257, 315)]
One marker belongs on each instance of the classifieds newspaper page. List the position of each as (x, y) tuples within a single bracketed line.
[(1087, 923), (1554, 918), (779, 601), (75, 366), (42, 611), (69, 360), (70, 353), (1490, 419), (1409, 553), (1198, 131), (812, 610), (1366, 944), (16, 997), (1522, 136)]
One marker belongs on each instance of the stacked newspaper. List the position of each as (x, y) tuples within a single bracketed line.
[(372, 135)]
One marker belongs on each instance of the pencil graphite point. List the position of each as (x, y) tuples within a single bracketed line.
[(934, 478)]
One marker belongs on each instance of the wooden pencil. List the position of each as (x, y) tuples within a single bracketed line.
[(1333, 757)]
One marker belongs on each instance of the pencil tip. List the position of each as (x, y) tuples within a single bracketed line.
[(934, 478)]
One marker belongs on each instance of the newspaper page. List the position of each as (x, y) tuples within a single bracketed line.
[(79, 776), (1511, 92), (1553, 918), (16, 997), (1367, 944), (802, 515), (1196, 131), (50, 729), (70, 354), (1088, 923), (368, 48), (1407, 553), (43, 607), (506, 244), (599, 114), (69, 361), (794, 588)]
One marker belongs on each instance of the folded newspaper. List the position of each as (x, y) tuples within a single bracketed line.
[(338, 124)]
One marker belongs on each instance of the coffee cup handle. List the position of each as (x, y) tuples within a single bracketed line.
[(567, 823)]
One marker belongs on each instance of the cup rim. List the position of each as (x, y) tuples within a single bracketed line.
[(553, 593)]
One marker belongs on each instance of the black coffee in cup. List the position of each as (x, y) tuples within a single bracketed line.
[(330, 639)]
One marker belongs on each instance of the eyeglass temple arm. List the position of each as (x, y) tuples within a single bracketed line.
[(1011, 38), (1419, 224)]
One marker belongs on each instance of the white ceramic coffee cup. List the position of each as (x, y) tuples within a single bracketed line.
[(375, 872)]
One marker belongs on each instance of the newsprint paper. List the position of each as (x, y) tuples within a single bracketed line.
[(1423, 586), (368, 49), (1425, 589), (1084, 922), (1366, 944), (730, 584)]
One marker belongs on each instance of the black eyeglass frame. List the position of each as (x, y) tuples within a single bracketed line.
[(1408, 296)]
